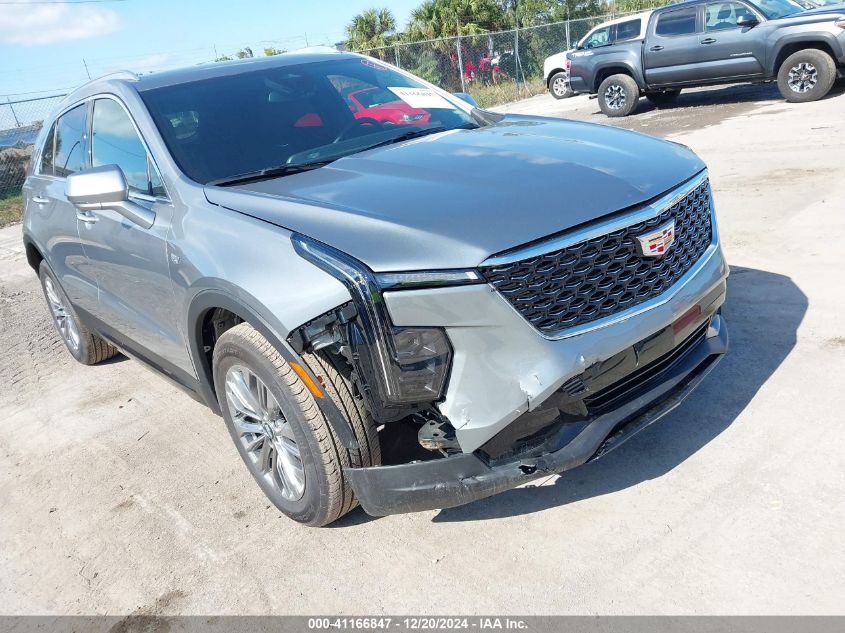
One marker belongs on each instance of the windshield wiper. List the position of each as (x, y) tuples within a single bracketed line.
[(412, 134), (268, 172)]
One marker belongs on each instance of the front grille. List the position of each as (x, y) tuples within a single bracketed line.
[(605, 275)]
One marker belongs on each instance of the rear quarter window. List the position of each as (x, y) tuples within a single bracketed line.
[(46, 166), (628, 30)]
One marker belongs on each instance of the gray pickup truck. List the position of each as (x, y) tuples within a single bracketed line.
[(700, 43)]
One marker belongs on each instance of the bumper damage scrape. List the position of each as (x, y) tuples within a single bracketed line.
[(460, 479)]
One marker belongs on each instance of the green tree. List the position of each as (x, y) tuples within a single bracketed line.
[(269, 51), (446, 18), (374, 28), (244, 53)]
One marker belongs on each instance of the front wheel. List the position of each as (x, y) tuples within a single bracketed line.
[(807, 75), (618, 95), (280, 432), (559, 86)]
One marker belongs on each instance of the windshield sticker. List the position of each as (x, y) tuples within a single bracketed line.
[(373, 64), (421, 98)]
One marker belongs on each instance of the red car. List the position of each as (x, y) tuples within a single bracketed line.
[(384, 106)]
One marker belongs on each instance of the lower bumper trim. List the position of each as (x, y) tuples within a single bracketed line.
[(454, 481)]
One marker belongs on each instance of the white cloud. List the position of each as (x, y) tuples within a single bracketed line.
[(30, 24)]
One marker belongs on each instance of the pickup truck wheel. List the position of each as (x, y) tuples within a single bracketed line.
[(82, 343), (618, 95), (807, 75), (280, 432), (559, 86), (660, 99)]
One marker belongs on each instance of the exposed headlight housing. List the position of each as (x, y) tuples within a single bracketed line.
[(409, 365)]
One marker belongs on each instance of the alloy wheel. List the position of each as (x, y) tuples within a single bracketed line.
[(560, 86), (802, 77), (614, 97), (264, 433), (63, 318)]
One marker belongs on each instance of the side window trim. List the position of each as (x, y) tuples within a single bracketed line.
[(151, 164)]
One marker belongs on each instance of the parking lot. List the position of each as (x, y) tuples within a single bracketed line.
[(121, 495)]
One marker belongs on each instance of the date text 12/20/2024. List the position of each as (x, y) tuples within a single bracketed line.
[(416, 623)]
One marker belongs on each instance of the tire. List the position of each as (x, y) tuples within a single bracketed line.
[(559, 86), (661, 99), (807, 75), (618, 95), (85, 346), (302, 472)]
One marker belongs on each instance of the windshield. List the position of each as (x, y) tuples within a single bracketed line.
[(774, 9), (223, 127)]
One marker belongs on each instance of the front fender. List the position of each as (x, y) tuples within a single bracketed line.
[(833, 37), (248, 310)]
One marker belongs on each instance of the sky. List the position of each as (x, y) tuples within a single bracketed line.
[(46, 44)]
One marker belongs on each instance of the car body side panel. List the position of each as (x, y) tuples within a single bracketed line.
[(214, 248), (589, 66), (52, 227), (503, 367)]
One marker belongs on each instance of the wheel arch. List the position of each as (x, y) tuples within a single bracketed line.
[(202, 308), (552, 73), (790, 46), (614, 69), (34, 256)]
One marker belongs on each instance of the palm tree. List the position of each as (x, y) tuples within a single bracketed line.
[(446, 18), (371, 29)]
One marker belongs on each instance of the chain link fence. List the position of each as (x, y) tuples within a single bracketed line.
[(494, 67), (20, 122)]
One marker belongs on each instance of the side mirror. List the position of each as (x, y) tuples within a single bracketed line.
[(105, 188), (463, 96), (747, 21)]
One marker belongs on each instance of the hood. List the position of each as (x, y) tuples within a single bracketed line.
[(816, 15), (452, 199)]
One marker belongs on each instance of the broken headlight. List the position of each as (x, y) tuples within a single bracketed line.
[(408, 365)]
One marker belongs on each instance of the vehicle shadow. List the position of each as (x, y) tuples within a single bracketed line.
[(728, 95), (763, 313)]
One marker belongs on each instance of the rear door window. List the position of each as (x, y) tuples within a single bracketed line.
[(679, 22), (71, 149), (628, 30)]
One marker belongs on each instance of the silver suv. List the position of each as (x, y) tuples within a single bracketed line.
[(376, 284)]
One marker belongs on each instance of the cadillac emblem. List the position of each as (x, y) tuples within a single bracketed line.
[(656, 243)]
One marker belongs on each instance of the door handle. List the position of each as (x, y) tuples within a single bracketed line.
[(656, 48), (708, 40), (40, 200), (87, 217)]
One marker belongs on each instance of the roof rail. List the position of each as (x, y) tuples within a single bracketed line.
[(120, 74)]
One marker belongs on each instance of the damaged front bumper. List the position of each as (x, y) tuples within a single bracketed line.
[(462, 478)]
